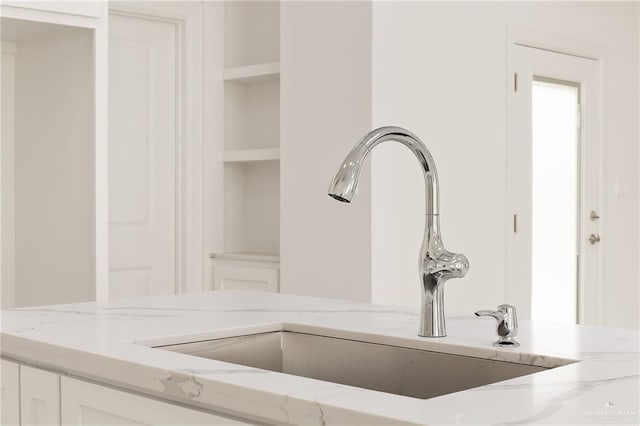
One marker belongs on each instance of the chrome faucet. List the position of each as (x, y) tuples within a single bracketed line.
[(436, 264)]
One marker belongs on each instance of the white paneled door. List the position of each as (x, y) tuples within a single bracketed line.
[(553, 186), (143, 105)]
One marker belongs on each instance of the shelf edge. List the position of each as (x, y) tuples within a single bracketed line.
[(251, 72)]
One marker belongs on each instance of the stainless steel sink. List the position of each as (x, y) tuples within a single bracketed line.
[(393, 369)]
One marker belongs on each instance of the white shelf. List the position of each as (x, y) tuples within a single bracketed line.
[(252, 73), (256, 257), (246, 155)]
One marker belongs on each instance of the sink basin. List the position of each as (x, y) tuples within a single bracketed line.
[(386, 368)]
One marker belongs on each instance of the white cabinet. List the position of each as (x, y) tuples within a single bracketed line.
[(39, 397), (245, 278), (10, 390), (88, 404), (29, 396), (246, 272), (32, 397)]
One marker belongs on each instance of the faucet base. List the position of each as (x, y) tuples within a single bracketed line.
[(432, 329), (432, 336), (508, 342), (432, 321)]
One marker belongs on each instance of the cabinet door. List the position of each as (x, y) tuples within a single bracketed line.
[(10, 389), (245, 278), (39, 397), (88, 404)]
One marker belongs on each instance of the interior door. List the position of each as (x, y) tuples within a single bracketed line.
[(142, 155), (553, 186)]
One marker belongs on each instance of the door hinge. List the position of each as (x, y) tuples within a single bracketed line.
[(515, 82)]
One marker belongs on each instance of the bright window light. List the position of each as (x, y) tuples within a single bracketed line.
[(555, 165)]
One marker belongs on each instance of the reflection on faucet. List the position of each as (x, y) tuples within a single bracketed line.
[(436, 264)]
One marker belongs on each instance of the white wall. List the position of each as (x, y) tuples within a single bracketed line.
[(325, 109), (54, 178), (7, 176), (439, 70)]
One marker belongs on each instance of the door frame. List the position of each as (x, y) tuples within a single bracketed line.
[(591, 294), (187, 17), (94, 17)]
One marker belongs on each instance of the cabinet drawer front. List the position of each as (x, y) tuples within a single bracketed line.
[(245, 278), (10, 389), (89, 404)]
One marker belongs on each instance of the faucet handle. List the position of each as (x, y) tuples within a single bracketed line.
[(507, 327)]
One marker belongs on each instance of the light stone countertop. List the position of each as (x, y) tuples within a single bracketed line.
[(98, 342)]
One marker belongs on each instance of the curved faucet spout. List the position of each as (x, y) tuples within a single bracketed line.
[(436, 264), (344, 184)]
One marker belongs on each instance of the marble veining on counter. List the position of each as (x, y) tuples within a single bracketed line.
[(111, 343)]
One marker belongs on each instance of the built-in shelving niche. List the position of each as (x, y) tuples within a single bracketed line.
[(252, 207), (252, 127), (252, 114)]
